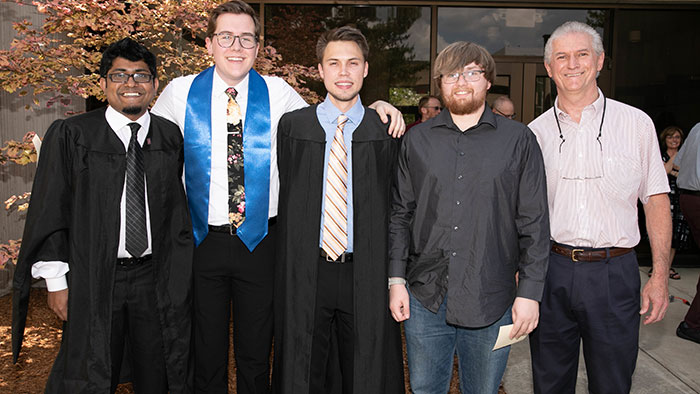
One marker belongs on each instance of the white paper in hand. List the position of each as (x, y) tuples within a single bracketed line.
[(503, 337)]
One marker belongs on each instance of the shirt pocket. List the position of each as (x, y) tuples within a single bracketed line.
[(623, 175)]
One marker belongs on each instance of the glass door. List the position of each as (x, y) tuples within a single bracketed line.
[(524, 80)]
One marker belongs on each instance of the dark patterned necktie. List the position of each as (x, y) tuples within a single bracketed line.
[(136, 238), (236, 184)]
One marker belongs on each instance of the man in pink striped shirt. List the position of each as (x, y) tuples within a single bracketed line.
[(600, 157)]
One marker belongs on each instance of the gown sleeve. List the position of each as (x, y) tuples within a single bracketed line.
[(46, 231)]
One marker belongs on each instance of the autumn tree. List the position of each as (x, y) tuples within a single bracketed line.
[(61, 57)]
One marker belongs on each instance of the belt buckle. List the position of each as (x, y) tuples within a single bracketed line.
[(340, 259), (573, 254)]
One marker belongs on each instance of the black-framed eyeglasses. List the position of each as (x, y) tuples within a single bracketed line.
[(124, 77), (434, 107), (469, 76), (511, 116), (226, 39)]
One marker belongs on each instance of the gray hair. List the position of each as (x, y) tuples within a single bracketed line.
[(573, 27)]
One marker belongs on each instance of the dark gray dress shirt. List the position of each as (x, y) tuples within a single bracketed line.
[(469, 211)]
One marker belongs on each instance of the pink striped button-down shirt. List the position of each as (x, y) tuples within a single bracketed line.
[(593, 186)]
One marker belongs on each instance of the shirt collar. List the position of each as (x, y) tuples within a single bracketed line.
[(596, 106), (354, 114), (117, 120), (219, 87), (445, 119)]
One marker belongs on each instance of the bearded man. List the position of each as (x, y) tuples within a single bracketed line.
[(469, 211)]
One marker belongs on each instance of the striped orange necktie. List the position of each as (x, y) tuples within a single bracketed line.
[(335, 222)]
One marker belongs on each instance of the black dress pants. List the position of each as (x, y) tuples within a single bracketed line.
[(594, 302), (227, 275), (136, 323), (333, 326)]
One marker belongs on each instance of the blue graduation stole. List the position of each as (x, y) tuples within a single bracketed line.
[(256, 150)]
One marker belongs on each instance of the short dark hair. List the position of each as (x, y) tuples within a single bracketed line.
[(129, 50), (462, 53), (425, 99), (232, 7), (345, 33)]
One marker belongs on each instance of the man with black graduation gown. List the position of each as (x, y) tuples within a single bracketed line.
[(336, 162), (122, 247)]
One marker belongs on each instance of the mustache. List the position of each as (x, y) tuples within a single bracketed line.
[(468, 90)]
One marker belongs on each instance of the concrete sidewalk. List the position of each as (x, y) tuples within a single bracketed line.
[(666, 364)]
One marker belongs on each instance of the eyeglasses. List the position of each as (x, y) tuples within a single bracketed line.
[(434, 108), (511, 116), (124, 77), (469, 76), (226, 39)]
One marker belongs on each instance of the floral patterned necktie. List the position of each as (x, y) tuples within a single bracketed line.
[(236, 185)]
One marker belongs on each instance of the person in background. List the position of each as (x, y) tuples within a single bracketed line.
[(429, 107), (687, 162), (670, 141), (503, 106)]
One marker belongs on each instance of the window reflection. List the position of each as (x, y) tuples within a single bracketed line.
[(508, 31)]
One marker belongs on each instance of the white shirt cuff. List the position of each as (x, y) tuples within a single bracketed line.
[(54, 272)]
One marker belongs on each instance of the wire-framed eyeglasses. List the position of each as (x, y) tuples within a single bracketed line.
[(469, 76)]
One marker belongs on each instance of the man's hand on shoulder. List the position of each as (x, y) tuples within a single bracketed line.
[(526, 314), (385, 110), (398, 302), (58, 302)]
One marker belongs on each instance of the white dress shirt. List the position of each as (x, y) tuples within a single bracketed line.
[(54, 272), (592, 187), (172, 104)]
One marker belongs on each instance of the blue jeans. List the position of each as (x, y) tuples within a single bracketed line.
[(431, 344)]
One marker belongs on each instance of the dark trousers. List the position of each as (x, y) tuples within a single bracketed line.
[(597, 302), (690, 206), (136, 322), (226, 275), (333, 324)]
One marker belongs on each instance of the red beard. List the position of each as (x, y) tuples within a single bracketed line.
[(462, 106)]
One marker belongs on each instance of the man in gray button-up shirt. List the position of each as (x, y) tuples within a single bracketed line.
[(469, 211)]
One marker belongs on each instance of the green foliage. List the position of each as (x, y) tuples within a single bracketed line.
[(404, 97)]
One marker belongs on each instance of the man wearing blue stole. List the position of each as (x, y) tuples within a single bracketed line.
[(228, 115)]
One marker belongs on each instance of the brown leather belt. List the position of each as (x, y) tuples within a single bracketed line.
[(577, 254)]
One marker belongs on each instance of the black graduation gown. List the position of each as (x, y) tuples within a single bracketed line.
[(378, 363), (74, 217)]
